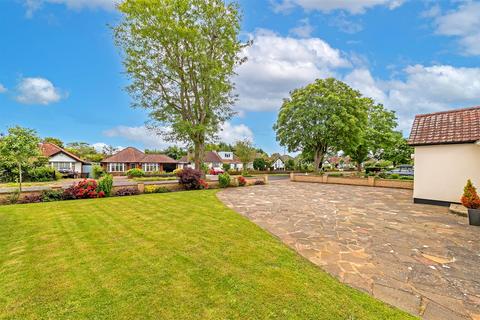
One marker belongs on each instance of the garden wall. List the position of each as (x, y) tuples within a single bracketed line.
[(368, 182)]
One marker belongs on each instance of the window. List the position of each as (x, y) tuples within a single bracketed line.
[(150, 167), (62, 165), (116, 167)]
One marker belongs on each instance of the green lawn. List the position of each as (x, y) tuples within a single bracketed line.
[(181, 255)]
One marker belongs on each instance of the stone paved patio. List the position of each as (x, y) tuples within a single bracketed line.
[(419, 258)]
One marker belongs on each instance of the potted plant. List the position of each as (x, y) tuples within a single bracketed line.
[(471, 200)]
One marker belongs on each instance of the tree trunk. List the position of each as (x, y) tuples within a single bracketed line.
[(318, 159), (20, 176), (359, 167), (199, 152)]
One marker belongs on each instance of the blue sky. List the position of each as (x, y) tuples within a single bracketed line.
[(61, 74)]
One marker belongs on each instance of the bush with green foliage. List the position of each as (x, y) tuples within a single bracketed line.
[(105, 184), (406, 178), (226, 167), (52, 195), (224, 180), (97, 172), (41, 174), (394, 176), (135, 173), (336, 174)]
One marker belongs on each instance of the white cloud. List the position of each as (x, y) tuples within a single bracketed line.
[(34, 5), (464, 23), (344, 24), (423, 90), (231, 133), (303, 30), (276, 65), (99, 146), (150, 139), (352, 6), (147, 137), (2, 88), (37, 91)]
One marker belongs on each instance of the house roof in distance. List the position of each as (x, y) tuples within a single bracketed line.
[(49, 150), (447, 127), (133, 155)]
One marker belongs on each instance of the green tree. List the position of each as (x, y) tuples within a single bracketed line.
[(109, 150), (377, 135), (20, 146), (399, 152), (181, 56), (53, 140), (259, 164), (174, 152), (245, 152), (326, 114)]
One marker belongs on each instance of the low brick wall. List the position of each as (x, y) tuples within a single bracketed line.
[(355, 181)]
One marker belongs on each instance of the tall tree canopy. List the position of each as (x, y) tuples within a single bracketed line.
[(377, 136), (245, 152), (20, 146), (326, 114), (53, 140), (399, 152), (181, 56)]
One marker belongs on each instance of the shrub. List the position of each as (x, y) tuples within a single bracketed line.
[(470, 197), (156, 189), (13, 197), (204, 184), (177, 171), (105, 184), (135, 173), (84, 189), (335, 174), (190, 179), (31, 198), (406, 178), (224, 180), (394, 176), (226, 167), (242, 181), (126, 192), (233, 172), (41, 174), (51, 195), (259, 182), (97, 172)]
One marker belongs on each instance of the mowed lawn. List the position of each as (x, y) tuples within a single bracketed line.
[(165, 256)]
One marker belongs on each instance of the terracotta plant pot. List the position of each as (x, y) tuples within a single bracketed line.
[(474, 217)]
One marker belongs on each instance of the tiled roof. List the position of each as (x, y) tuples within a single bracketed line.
[(210, 156), (133, 155), (455, 126), (49, 149)]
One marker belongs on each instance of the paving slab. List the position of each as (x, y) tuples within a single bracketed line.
[(419, 258)]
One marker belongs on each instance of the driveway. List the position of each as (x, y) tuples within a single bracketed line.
[(419, 258)]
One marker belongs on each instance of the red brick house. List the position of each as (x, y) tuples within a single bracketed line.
[(130, 158)]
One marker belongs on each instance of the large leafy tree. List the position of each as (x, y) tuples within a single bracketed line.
[(20, 146), (181, 56), (324, 115), (55, 141), (398, 152), (245, 152), (377, 136), (84, 151)]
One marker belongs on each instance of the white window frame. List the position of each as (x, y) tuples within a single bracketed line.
[(150, 167), (116, 167), (62, 165)]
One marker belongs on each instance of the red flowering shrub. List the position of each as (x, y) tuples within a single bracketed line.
[(85, 189), (190, 179), (204, 184), (242, 181), (470, 198)]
